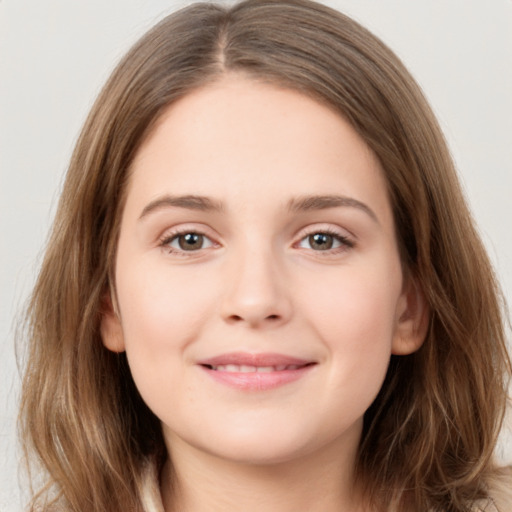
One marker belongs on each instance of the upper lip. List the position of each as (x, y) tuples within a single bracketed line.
[(248, 359)]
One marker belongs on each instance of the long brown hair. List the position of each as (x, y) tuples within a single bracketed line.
[(429, 436)]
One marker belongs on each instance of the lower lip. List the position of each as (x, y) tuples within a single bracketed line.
[(256, 381)]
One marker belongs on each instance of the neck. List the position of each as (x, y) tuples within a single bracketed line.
[(196, 481)]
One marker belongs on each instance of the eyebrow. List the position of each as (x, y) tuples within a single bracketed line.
[(190, 202), (295, 205), (308, 203)]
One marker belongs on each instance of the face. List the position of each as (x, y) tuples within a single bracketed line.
[(259, 287)]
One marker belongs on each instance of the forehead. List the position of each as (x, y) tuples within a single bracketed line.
[(240, 138)]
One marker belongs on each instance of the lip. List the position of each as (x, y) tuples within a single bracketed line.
[(256, 374)]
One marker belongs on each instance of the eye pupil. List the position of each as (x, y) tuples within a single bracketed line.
[(321, 241), (190, 241)]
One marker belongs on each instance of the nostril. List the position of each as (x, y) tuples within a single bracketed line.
[(239, 318)]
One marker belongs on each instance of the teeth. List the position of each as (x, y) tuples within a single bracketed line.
[(266, 369), (235, 368)]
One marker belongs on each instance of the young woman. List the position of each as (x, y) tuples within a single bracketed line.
[(263, 289)]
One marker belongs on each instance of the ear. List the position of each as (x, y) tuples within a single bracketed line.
[(110, 326), (412, 319)]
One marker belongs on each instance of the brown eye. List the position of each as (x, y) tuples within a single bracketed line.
[(321, 241), (187, 242), (190, 241), (325, 241)]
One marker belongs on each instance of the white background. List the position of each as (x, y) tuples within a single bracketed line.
[(56, 54)]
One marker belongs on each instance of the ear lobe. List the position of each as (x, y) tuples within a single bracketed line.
[(110, 326), (413, 315)]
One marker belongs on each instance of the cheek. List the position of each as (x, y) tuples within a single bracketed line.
[(162, 313), (356, 320), (161, 306)]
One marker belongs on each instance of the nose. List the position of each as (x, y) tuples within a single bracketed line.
[(257, 292)]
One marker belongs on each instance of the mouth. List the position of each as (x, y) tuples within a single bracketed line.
[(256, 372), (234, 368)]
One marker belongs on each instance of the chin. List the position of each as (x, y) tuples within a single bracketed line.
[(259, 453), (274, 445)]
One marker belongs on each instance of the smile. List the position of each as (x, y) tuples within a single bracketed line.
[(233, 368), (256, 372)]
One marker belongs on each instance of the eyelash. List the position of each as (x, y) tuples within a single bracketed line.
[(168, 238), (345, 242)]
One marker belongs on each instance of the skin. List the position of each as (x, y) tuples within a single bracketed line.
[(259, 284)]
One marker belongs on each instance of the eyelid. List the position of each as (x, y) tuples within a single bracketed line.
[(346, 238), (323, 227), (176, 238), (182, 229)]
